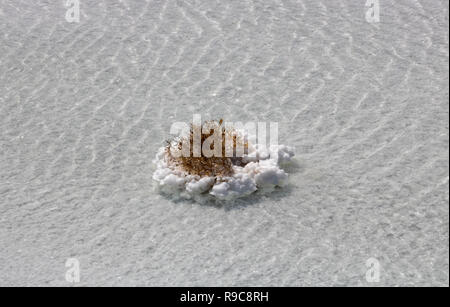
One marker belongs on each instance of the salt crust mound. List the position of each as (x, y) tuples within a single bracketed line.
[(262, 172)]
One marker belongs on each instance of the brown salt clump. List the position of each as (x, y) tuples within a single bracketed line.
[(207, 166)]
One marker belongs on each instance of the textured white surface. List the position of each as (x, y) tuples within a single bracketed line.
[(84, 108)]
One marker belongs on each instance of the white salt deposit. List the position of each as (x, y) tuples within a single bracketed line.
[(84, 107), (263, 172)]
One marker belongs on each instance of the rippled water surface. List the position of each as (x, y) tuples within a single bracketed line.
[(84, 107)]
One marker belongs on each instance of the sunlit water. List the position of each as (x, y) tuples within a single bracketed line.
[(85, 106)]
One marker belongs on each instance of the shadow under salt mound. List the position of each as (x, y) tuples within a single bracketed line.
[(276, 195)]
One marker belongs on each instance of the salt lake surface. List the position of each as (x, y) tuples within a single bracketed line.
[(85, 106)]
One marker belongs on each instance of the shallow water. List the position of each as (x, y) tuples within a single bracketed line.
[(85, 106)]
